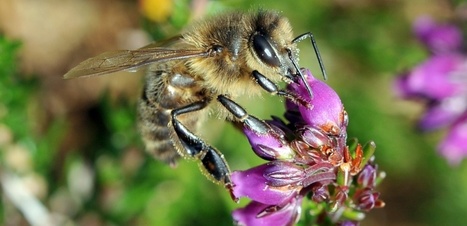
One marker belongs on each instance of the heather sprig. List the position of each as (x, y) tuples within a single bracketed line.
[(440, 82), (310, 165)]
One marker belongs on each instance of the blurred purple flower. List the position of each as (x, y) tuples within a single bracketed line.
[(438, 77), (436, 37), (454, 146), (305, 156), (441, 81)]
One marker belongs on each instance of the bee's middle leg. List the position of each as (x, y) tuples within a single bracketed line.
[(258, 126), (212, 162)]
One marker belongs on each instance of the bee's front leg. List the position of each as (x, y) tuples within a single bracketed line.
[(212, 162), (272, 88)]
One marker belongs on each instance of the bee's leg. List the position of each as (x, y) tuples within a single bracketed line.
[(256, 125), (212, 162), (253, 123), (272, 88)]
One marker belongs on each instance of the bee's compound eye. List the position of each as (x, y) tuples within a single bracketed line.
[(265, 51)]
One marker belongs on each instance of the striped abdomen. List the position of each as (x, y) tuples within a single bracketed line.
[(167, 89)]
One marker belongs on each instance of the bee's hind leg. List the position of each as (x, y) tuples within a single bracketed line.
[(212, 161)]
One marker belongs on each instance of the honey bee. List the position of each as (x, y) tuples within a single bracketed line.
[(214, 61)]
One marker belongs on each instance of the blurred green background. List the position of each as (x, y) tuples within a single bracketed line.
[(73, 147)]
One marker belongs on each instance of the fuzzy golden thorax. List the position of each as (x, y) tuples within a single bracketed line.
[(229, 70)]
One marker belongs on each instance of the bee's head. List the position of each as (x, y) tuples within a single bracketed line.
[(273, 46), (277, 58)]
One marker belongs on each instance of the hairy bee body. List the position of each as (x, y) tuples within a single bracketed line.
[(167, 87), (174, 84), (229, 72), (206, 66)]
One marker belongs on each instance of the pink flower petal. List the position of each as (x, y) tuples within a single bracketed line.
[(454, 146), (256, 214), (254, 184), (327, 111), (433, 78), (438, 37), (443, 113), (269, 146)]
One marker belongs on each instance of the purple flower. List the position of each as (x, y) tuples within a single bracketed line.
[(257, 183), (436, 37), (454, 146), (438, 77), (270, 146), (441, 82), (366, 199), (256, 213), (367, 177), (349, 223), (327, 111), (443, 112), (305, 156)]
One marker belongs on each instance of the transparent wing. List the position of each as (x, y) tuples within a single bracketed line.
[(129, 60)]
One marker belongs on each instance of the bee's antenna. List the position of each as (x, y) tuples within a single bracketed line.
[(315, 46), (302, 76)]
